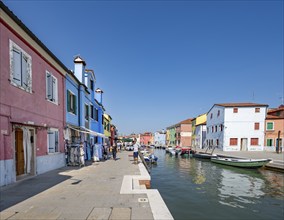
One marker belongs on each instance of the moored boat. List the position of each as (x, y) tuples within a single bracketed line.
[(150, 158), (239, 162), (203, 155)]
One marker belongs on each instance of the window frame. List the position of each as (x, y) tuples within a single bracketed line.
[(23, 55), (54, 87)]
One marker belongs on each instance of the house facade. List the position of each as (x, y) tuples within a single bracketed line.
[(146, 138), (160, 138), (236, 126), (200, 131), (184, 133), (83, 112), (274, 129), (32, 106), (171, 130)]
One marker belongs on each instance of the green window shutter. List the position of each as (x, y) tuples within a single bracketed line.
[(269, 126), (68, 101)]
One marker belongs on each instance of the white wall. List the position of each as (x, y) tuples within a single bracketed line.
[(241, 125), (7, 172), (50, 162)]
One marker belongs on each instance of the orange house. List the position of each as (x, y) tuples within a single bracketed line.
[(274, 127)]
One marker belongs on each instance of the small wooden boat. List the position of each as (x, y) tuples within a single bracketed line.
[(150, 158), (238, 162), (203, 155)]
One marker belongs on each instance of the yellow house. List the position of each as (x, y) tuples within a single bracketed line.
[(107, 123), (200, 130)]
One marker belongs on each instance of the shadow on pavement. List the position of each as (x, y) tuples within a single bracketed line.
[(15, 193)]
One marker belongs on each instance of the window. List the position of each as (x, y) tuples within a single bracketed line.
[(256, 126), (71, 102), (92, 84), (269, 142), (221, 127), (235, 110), (51, 88), (218, 114), (233, 141), (52, 141), (96, 114), (86, 112), (254, 141), (257, 110), (211, 115), (92, 111), (216, 128), (20, 68), (269, 126)]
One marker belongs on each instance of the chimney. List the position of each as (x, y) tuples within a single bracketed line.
[(80, 69), (99, 95)]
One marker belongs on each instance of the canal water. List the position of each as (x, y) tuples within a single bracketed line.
[(199, 189)]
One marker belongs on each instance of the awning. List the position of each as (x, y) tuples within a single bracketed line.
[(87, 131)]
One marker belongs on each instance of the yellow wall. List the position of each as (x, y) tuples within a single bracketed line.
[(200, 119), (107, 123)]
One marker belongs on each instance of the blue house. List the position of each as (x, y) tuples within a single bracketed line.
[(84, 108)]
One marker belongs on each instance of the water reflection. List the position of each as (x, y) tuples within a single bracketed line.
[(237, 189), (203, 190)]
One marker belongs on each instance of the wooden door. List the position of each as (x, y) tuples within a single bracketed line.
[(20, 158)]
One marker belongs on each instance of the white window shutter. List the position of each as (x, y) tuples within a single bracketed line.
[(49, 86), (17, 67), (25, 74), (54, 89)]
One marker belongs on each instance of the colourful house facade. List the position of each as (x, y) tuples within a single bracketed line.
[(274, 129), (32, 106)]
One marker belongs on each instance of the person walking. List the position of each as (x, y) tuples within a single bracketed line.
[(114, 150), (135, 151)]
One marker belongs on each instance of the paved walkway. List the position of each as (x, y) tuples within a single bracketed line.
[(101, 190)]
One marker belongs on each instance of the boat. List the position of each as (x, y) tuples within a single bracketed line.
[(175, 151), (150, 158), (241, 162), (203, 155)]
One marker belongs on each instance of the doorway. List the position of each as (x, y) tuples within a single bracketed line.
[(24, 152), (244, 144)]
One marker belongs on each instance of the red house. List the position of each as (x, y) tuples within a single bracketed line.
[(31, 103)]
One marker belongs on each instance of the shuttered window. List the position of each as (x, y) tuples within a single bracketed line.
[(256, 126), (233, 141), (254, 141), (269, 142), (20, 68), (51, 88), (269, 126), (71, 102), (52, 141), (86, 112)]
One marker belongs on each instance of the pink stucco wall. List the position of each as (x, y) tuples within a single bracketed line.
[(21, 106)]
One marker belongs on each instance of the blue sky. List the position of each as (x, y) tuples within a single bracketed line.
[(161, 62)]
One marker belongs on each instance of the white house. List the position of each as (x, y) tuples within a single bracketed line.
[(160, 138), (236, 126)]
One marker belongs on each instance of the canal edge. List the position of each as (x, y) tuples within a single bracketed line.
[(136, 184)]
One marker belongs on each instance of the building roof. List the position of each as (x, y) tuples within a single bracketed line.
[(242, 104), (187, 121)]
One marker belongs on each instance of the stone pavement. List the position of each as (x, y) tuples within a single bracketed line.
[(100, 190)]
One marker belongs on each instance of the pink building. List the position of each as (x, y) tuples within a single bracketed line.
[(184, 133), (146, 138), (31, 103)]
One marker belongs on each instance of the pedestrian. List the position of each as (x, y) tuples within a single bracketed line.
[(114, 150), (135, 151), (105, 151)]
